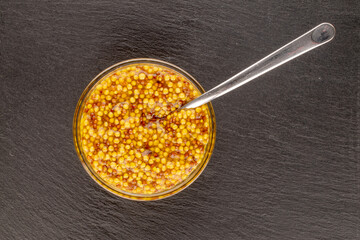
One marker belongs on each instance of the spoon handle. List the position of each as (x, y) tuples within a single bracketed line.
[(314, 38)]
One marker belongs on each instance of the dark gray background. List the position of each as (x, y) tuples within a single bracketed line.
[(286, 161)]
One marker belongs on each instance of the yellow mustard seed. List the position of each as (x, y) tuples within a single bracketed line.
[(127, 145)]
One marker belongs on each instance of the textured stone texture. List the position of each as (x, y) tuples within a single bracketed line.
[(286, 161)]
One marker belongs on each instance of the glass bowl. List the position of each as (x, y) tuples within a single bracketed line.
[(135, 196)]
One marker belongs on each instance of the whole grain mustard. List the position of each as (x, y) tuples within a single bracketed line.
[(131, 135)]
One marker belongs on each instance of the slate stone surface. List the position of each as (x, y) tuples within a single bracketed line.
[(286, 160)]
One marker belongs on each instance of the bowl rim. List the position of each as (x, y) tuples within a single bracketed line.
[(132, 196)]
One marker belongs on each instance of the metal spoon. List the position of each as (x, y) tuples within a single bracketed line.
[(314, 38)]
